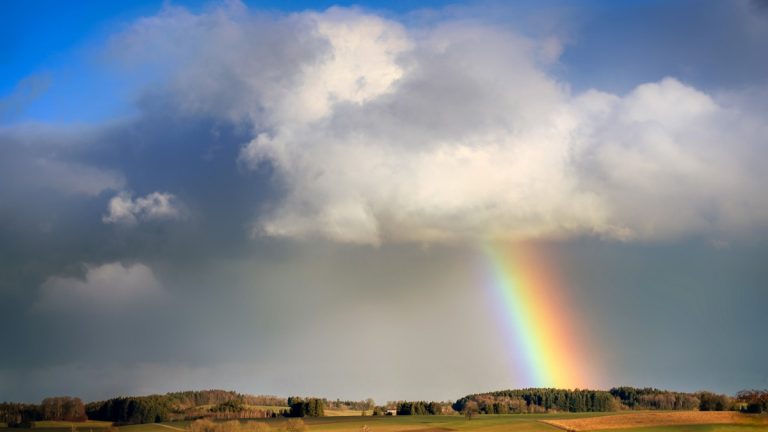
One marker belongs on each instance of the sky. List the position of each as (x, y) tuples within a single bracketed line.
[(379, 199)]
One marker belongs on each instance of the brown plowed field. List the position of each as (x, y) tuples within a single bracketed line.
[(644, 419)]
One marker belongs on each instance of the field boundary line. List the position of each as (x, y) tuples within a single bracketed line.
[(170, 427), (555, 425)]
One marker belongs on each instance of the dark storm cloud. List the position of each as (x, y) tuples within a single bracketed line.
[(681, 315), (343, 321), (59, 243), (57, 187)]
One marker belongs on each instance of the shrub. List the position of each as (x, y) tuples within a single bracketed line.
[(295, 425)]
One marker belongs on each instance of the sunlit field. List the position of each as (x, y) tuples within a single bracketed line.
[(643, 421)]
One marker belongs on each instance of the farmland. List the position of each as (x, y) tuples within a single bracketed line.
[(692, 421), (659, 419)]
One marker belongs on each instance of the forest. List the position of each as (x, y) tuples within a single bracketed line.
[(541, 400)]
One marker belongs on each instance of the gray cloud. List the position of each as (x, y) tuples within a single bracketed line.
[(107, 286), (343, 321), (73, 177), (42, 160)]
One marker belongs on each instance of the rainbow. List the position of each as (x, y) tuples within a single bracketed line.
[(541, 329)]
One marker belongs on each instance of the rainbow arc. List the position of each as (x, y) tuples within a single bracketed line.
[(541, 325)]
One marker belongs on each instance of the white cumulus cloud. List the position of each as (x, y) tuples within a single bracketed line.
[(124, 210), (457, 131)]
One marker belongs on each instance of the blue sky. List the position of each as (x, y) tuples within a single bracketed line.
[(56, 42), (230, 187), (611, 45)]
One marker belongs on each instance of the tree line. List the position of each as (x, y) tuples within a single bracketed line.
[(132, 410), (361, 405), (311, 407), (159, 408), (62, 408), (19, 414), (649, 398), (753, 401), (188, 399), (214, 404), (536, 400), (418, 408), (540, 400)]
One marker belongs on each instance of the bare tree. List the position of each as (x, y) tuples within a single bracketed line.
[(470, 409)]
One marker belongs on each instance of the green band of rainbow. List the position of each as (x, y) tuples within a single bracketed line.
[(537, 319)]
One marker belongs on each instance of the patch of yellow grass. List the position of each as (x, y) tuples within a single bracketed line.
[(343, 413), (276, 409), (648, 419), (65, 424)]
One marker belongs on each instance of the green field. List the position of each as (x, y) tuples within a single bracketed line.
[(483, 423)]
